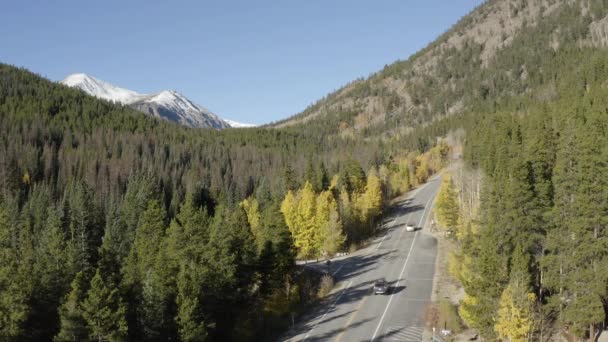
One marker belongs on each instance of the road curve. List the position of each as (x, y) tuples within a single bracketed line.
[(405, 259)]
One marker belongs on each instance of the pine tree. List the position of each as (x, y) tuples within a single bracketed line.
[(290, 182), (188, 262), (54, 274), (73, 325), (142, 188), (586, 283), (484, 282), (189, 315), (352, 177), (104, 311), (84, 223), (115, 232), (16, 288), (148, 238), (140, 272)]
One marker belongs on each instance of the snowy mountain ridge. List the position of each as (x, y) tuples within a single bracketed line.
[(101, 89), (167, 104)]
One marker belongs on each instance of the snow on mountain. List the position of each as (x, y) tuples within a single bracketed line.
[(173, 106), (101, 89), (167, 104), (235, 124)]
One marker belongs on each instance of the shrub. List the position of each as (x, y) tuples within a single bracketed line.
[(326, 285)]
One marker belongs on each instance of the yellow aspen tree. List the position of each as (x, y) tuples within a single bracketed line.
[(324, 201), (289, 208), (446, 207), (373, 196), (330, 236), (422, 169), (333, 184), (515, 321), (306, 237), (466, 310), (252, 209)]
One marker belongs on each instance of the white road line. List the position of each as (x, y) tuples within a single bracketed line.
[(397, 285), (400, 274), (339, 268), (327, 311), (381, 241)]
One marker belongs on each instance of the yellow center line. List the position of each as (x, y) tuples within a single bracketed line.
[(352, 317)]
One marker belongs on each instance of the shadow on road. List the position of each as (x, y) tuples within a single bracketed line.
[(335, 332), (359, 264), (396, 289), (335, 317)]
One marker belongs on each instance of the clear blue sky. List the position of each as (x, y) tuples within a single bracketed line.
[(251, 61)]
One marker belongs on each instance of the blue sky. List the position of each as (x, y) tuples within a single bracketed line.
[(250, 61)]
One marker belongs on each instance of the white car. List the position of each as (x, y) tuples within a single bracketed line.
[(410, 227)]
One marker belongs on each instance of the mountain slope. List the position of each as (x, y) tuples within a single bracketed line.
[(169, 105), (459, 68), (101, 89), (173, 106)]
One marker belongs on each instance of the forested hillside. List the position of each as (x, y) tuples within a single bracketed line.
[(533, 258), (118, 226), (489, 54)]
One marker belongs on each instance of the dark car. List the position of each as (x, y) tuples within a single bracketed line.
[(380, 286)]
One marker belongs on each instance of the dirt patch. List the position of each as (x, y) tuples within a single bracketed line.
[(444, 285)]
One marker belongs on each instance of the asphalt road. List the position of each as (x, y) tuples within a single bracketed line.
[(405, 259)]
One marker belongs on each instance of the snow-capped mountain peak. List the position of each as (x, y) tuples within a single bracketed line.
[(101, 89), (172, 98), (235, 124), (174, 106), (167, 104)]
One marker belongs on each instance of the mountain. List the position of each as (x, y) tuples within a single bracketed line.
[(167, 104), (173, 106), (483, 56), (101, 89), (235, 124)]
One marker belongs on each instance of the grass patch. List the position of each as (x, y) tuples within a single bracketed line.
[(444, 315)]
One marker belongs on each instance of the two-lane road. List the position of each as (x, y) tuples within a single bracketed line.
[(405, 259)]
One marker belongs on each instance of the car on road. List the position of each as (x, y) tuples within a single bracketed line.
[(380, 286), (410, 227)]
